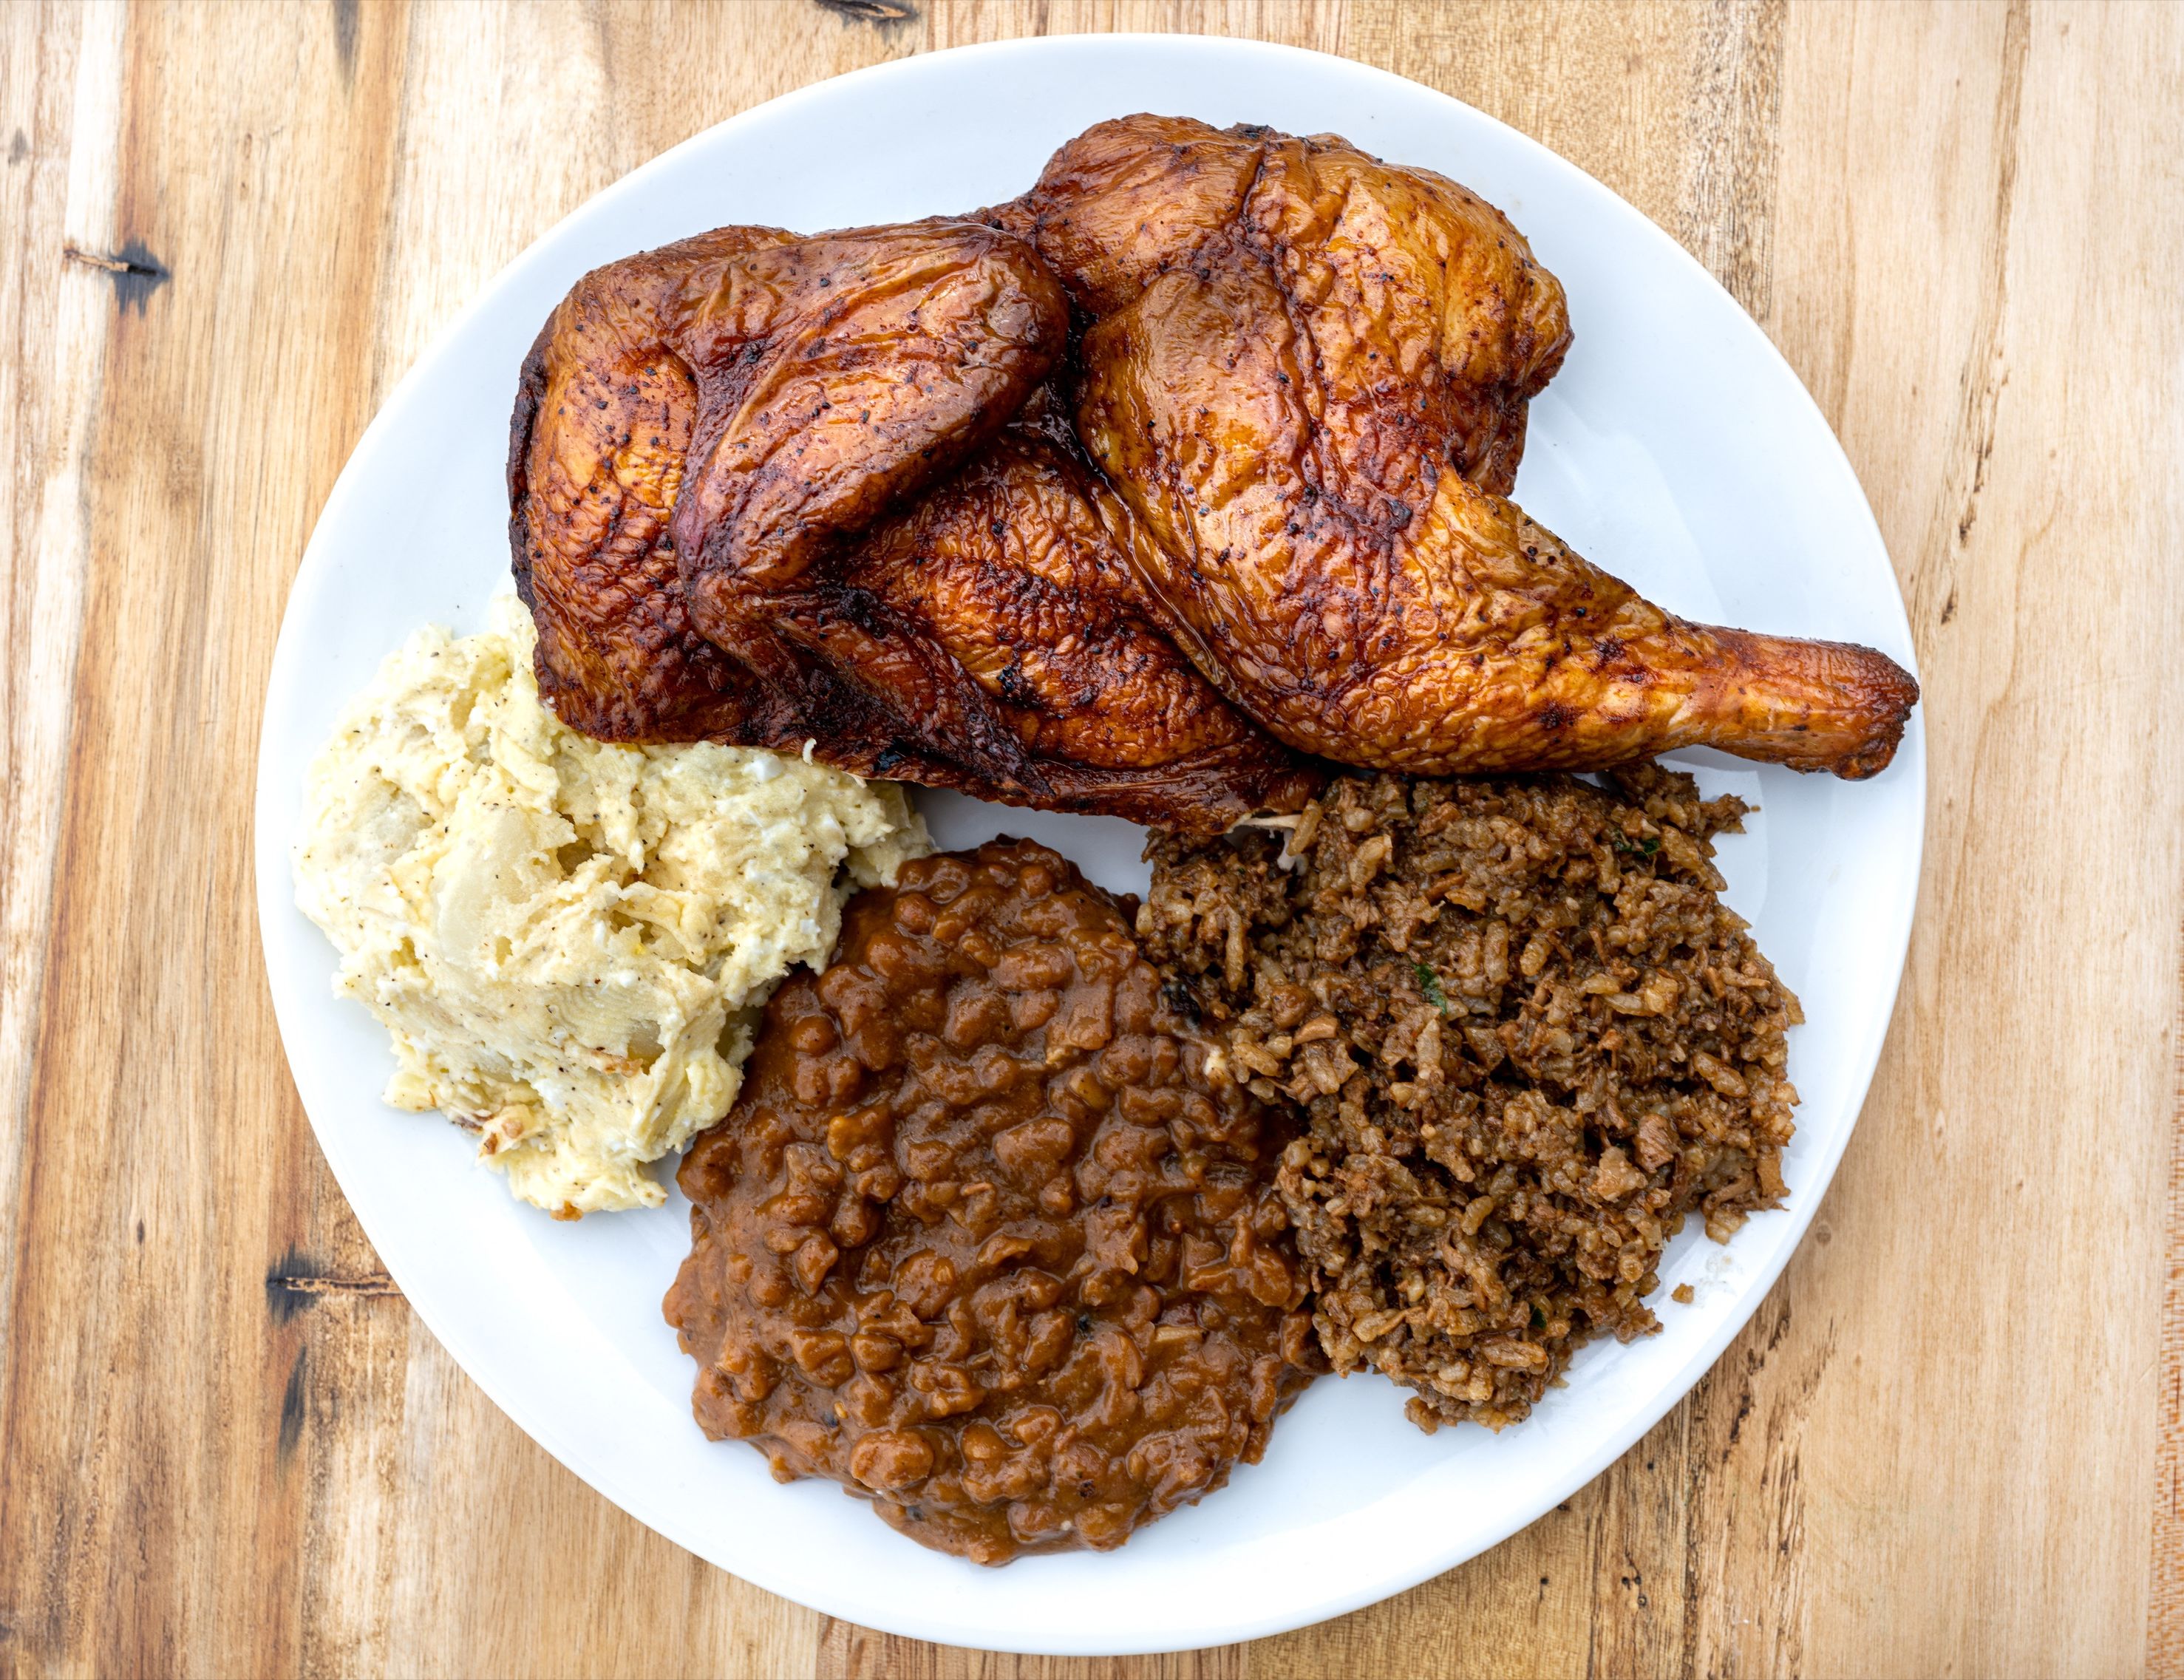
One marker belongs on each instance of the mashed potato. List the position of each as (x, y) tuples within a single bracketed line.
[(570, 941)]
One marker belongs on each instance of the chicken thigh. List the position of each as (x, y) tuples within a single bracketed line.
[(1305, 373)]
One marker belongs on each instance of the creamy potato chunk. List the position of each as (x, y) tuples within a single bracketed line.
[(568, 941)]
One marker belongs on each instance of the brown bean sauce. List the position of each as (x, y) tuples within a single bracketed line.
[(981, 1239)]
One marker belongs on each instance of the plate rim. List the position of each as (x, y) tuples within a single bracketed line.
[(275, 885)]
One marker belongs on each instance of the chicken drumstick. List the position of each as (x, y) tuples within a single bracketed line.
[(1299, 376)]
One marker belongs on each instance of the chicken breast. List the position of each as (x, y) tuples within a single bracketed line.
[(716, 470)]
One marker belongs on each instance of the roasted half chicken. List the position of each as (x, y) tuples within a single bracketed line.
[(1123, 497), (1305, 375), (714, 473)]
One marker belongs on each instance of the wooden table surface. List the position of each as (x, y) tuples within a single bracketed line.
[(1949, 1442)]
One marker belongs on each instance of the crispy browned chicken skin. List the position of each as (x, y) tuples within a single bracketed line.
[(1015, 569), (602, 426), (707, 442), (1297, 355), (1302, 381)]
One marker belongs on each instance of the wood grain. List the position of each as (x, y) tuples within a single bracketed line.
[(1951, 1441)]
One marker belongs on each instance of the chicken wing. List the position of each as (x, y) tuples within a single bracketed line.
[(1305, 374), (1018, 571)]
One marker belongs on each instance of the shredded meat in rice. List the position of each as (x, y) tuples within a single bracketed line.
[(1527, 1036)]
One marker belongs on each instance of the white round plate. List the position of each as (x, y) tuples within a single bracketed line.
[(1676, 449)]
